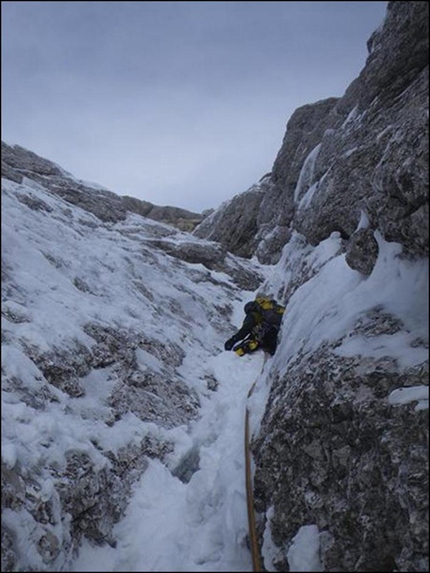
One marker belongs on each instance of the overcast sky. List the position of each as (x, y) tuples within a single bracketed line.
[(177, 103)]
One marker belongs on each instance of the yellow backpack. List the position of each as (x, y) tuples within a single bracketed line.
[(271, 311)]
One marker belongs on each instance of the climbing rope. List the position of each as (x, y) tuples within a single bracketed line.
[(255, 550)]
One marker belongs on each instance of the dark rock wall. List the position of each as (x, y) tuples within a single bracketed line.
[(234, 224), (333, 452), (331, 448), (365, 152)]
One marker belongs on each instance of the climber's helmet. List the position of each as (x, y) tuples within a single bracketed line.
[(250, 307)]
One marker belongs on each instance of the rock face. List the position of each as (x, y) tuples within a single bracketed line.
[(333, 447), (336, 446), (366, 152), (333, 452), (234, 224), (19, 163)]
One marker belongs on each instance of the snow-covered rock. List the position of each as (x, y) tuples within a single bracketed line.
[(108, 329)]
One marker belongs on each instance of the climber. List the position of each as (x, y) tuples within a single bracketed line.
[(259, 329)]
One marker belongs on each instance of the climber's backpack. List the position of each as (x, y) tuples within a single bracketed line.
[(270, 310)]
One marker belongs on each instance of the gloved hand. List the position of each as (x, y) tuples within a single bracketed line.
[(230, 343)]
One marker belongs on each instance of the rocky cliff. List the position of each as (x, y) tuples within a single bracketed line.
[(345, 211), (365, 153), (346, 201)]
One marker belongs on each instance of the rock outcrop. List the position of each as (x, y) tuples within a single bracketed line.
[(336, 446), (366, 152), (234, 224), (333, 451)]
